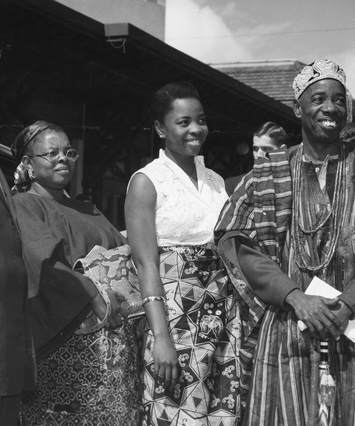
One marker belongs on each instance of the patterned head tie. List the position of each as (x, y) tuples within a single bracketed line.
[(26, 136), (320, 70)]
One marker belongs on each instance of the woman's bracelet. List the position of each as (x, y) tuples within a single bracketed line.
[(149, 299), (107, 300)]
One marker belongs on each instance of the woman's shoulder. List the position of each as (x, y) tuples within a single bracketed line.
[(29, 206), (154, 173), (214, 176), (20, 196), (26, 198), (213, 173), (153, 167)]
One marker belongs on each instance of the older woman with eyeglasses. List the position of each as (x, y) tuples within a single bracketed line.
[(83, 377)]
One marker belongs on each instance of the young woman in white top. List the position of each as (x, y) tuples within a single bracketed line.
[(191, 369)]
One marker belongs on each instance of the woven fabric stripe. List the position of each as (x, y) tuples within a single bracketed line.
[(281, 388), (260, 210)]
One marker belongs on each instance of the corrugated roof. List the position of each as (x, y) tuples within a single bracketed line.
[(273, 78)]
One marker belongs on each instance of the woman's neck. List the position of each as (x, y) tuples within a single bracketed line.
[(187, 163), (51, 193)]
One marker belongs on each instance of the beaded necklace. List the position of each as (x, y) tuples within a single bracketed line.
[(335, 215)]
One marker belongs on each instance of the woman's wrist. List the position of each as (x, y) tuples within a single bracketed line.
[(161, 335), (150, 299)]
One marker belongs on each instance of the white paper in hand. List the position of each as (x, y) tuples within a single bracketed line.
[(318, 287)]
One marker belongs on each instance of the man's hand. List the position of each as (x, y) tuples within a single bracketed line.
[(318, 313), (342, 312)]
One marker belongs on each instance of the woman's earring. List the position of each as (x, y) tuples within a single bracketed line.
[(31, 174)]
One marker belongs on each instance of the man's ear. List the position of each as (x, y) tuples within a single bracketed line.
[(297, 109), (159, 128)]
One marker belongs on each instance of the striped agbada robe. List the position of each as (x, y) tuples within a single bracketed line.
[(260, 211)]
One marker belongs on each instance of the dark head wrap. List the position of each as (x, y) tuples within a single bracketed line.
[(26, 136)]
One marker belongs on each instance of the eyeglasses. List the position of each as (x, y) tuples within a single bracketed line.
[(53, 155)]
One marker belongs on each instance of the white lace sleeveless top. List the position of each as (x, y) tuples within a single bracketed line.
[(185, 215)]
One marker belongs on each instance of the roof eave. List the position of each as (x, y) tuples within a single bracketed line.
[(175, 56), (142, 40)]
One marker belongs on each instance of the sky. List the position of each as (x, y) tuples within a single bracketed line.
[(219, 31)]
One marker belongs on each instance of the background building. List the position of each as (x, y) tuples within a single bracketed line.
[(273, 78), (96, 80)]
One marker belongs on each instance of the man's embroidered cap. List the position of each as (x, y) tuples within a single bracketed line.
[(318, 70)]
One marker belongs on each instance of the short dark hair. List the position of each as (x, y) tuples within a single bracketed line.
[(274, 131), (166, 95)]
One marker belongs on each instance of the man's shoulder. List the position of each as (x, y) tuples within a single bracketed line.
[(291, 151), (287, 152)]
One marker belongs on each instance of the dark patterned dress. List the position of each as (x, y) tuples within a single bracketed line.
[(88, 379)]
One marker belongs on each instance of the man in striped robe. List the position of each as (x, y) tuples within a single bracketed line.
[(293, 218)]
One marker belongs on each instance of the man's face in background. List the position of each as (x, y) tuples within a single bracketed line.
[(263, 145)]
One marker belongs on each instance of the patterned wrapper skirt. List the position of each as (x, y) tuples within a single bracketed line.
[(90, 380), (204, 325)]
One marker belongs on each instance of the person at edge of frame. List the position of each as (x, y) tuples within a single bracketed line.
[(17, 368)]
